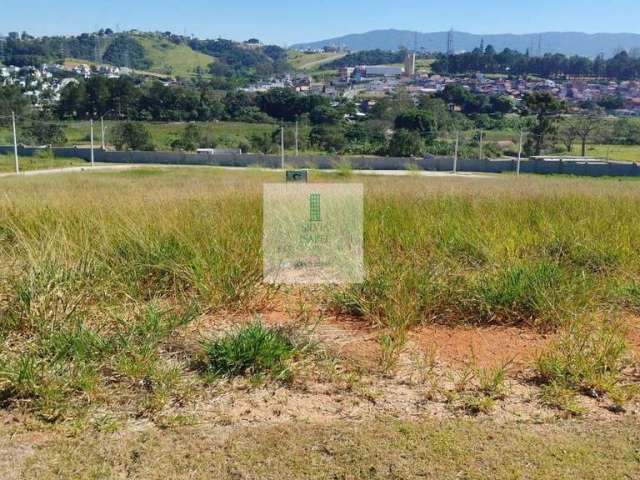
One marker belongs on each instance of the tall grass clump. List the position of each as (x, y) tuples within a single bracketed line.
[(251, 350), (588, 358), (60, 368), (494, 252)]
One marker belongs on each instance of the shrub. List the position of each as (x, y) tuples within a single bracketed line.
[(406, 143), (251, 350), (132, 136)]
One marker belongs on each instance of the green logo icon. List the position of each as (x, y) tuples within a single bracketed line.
[(314, 207)]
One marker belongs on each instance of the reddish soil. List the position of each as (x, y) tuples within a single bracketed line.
[(486, 347), (358, 343), (634, 334)]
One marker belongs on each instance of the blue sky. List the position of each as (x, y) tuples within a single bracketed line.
[(287, 21)]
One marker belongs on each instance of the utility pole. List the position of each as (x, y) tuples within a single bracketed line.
[(481, 134), (297, 138), (455, 154), (104, 145), (15, 141), (519, 153), (92, 155), (282, 147)]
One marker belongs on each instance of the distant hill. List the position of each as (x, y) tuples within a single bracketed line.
[(172, 59), (160, 53), (568, 43)]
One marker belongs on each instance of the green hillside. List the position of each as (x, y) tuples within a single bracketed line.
[(310, 61), (171, 59)]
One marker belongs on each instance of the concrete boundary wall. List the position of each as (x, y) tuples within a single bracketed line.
[(429, 163)]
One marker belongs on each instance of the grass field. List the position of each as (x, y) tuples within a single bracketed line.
[(124, 295), (171, 59), (626, 153), (7, 163), (221, 133), (383, 448), (311, 61)]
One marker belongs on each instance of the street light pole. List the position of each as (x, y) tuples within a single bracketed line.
[(455, 154), (520, 153), (282, 147), (92, 155), (102, 133), (15, 141)]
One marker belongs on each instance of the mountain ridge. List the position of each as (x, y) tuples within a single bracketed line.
[(568, 43)]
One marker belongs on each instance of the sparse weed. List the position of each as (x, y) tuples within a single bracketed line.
[(589, 357), (559, 396)]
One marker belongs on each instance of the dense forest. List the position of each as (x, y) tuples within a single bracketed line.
[(367, 57), (123, 98), (23, 49), (622, 66), (232, 60), (126, 51)]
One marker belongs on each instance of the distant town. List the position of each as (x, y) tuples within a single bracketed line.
[(44, 83), (402, 102)]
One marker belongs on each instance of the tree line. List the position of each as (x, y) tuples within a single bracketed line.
[(622, 66), (367, 57)]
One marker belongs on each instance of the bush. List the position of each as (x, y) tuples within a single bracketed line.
[(132, 136), (251, 350), (190, 139), (46, 134), (406, 143)]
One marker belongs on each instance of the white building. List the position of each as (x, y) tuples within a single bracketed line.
[(382, 71)]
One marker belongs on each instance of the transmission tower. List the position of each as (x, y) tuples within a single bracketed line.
[(539, 45), (96, 52), (450, 45)]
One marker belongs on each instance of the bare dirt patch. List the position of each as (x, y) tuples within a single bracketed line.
[(356, 342), (634, 334), (489, 347)]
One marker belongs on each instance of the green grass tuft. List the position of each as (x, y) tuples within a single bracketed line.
[(252, 350)]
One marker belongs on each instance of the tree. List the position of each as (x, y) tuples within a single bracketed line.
[(190, 138), (611, 102), (501, 104), (587, 125), (546, 108), (43, 133), (568, 133), (419, 121), (12, 100), (126, 51), (132, 136), (286, 104), (329, 138), (262, 142), (324, 114), (406, 143)]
